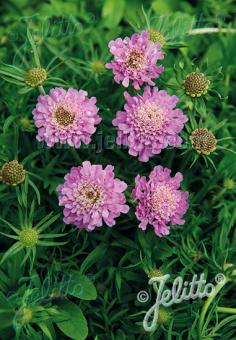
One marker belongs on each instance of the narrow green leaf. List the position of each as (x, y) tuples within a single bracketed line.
[(93, 257), (16, 247), (46, 222), (32, 43)]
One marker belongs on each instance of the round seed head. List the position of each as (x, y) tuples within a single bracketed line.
[(12, 173), (196, 84), (203, 141), (35, 76), (155, 273)]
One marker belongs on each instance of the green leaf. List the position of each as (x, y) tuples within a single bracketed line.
[(50, 244), (46, 222), (200, 106), (75, 327), (6, 312), (112, 12), (15, 248), (31, 183), (9, 74), (25, 90), (161, 7), (132, 11), (93, 257), (17, 231), (81, 287), (33, 46), (45, 330), (59, 8), (8, 122), (4, 303)]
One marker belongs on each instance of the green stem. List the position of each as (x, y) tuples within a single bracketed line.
[(207, 303), (222, 324), (227, 310), (211, 30), (41, 90)]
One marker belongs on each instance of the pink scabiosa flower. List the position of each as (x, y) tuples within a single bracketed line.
[(66, 117), (149, 123), (91, 195), (135, 59), (161, 202)]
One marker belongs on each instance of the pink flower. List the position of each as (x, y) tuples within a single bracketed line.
[(160, 200), (66, 117), (135, 59), (149, 123), (91, 195)]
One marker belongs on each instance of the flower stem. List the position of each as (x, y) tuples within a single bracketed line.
[(226, 310), (208, 30), (41, 90), (207, 303)]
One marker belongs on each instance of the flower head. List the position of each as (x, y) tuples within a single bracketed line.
[(229, 184), (97, 66), (25, 123), (155, 272), (161, 202), (164, 315), (156, 37), (135, 60), (12, 173), (24, 315), (66, 117), (196, 84), (36, 76), (203, 141), (91, 195), (28, 237), (149, 123)]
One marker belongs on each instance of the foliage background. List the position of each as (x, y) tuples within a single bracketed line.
[(112, 265)]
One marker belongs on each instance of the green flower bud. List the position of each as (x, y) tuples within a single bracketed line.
[(24, 315), (164, 316), (29, 237), (229, 184), (97, 66)]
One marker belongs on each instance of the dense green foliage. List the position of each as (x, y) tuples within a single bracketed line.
[(75, 284)]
